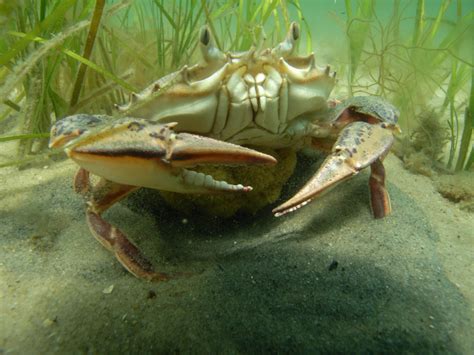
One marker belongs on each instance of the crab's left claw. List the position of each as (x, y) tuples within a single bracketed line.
[(359, 145)]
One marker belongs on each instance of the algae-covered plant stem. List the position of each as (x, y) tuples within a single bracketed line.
[(94, 27)]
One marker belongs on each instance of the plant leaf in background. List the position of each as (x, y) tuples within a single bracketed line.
[(427, 70), (465, 161), (358, 28)]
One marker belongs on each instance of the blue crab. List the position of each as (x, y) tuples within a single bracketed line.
[(210, 113)]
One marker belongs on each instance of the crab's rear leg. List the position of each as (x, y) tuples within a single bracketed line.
[(81, 183), (124, 250), (99, 198), (358, 146)]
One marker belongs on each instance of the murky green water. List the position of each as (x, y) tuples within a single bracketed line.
[(326, 278)]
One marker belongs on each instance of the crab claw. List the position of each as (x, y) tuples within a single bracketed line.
[(144, 153), (359, 145)]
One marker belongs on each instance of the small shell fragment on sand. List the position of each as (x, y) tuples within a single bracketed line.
[(108, 290)]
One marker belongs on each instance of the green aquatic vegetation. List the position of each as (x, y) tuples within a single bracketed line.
[(94, 27), (62, 57), (430, 136), (428, 66), (422, 150), (357, 29), (464, 160), (39, 38)]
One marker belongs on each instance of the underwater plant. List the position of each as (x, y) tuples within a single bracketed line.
[(465, 160), (422, 150), (38, 61), (428, 68)]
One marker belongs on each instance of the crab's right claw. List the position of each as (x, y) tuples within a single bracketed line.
[(359, 145), (143, 153)]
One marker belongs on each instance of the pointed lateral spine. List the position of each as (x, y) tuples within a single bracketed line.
[(163, 83), (309, 73), (212, 82), (294, 74), (285, 48)]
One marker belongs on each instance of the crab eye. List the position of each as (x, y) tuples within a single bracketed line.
[(295, 31), (205, 36)]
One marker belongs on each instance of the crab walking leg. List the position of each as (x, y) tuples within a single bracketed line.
[(125, 252), (100, 197), (81, 182), (104, 195), (379, 197), (359, 145)]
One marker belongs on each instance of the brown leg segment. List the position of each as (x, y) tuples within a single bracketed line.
[(125, 252), (379, 198), (81, 182), (104, 195), (107, 193)]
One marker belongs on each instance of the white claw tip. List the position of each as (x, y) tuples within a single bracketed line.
[(292, 209)]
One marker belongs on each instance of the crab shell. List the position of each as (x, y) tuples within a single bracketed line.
[(259, 97)]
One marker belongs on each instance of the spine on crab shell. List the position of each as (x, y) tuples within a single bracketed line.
[(306, 74), (137, 99)]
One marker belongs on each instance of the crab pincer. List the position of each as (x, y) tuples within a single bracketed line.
[(366, 137), (144, 153)]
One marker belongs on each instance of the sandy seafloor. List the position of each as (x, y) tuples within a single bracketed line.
[(263, 284)]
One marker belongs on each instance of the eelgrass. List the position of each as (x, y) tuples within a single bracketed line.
[(412, 69), (94, 27), (357, 29), (465, 161)]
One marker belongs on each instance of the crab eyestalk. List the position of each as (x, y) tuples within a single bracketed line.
[(209, 50), (286, 48)]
